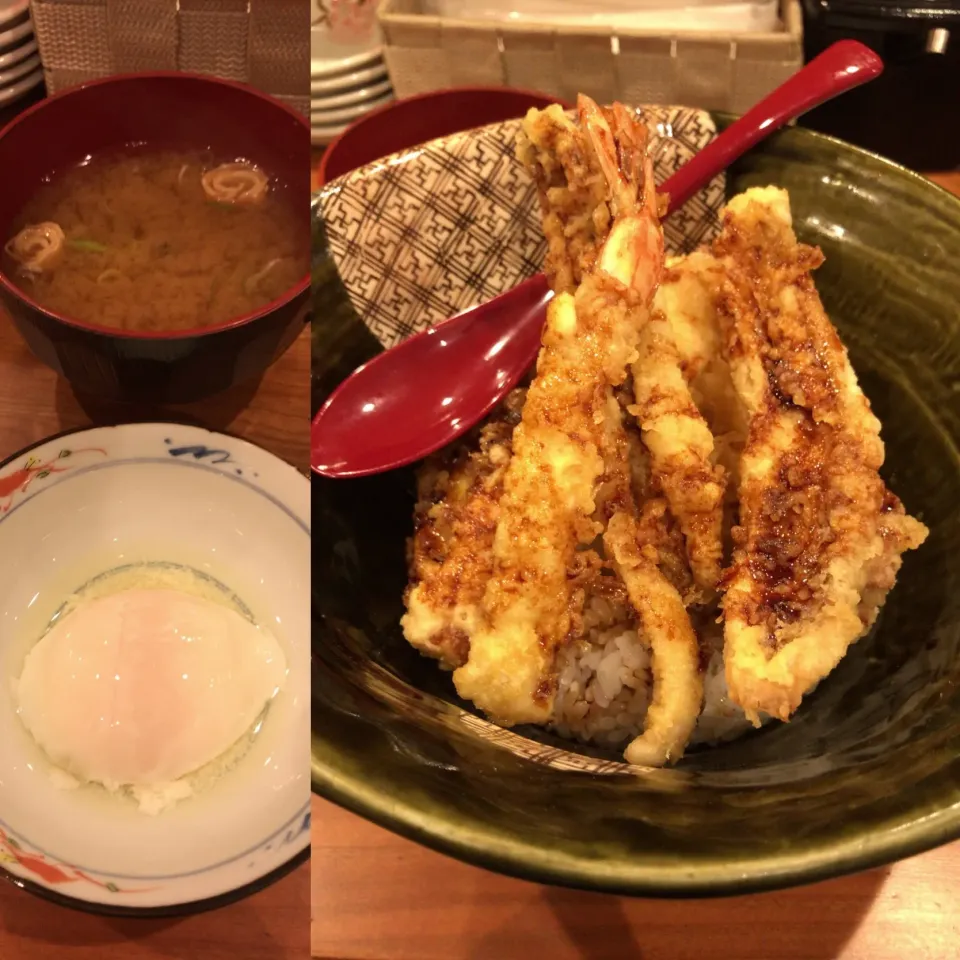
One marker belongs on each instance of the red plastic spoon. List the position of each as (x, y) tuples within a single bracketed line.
[(418, 396)]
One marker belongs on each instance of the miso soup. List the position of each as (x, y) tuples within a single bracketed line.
[(149, 241)]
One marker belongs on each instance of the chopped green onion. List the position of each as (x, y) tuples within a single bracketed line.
[(88, 246)]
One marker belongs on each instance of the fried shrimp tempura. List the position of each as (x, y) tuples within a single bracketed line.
[(677, 416), (575, 196), (551, 484), (820, 536)]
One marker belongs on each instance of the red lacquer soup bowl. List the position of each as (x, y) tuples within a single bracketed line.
[(418, 119), (171, 110)]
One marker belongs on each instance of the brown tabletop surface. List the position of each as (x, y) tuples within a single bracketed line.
[(377, 896), (271, 925)]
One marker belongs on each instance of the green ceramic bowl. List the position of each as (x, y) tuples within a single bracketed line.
[(869, 769)]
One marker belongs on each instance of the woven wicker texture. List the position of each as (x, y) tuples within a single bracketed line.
[(707, 71), (265, 43)]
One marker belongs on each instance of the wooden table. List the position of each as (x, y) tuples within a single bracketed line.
[(271, 925), (949, 181), (377, 896)]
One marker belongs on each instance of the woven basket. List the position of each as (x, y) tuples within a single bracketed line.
[(265, 43), (707, 71)]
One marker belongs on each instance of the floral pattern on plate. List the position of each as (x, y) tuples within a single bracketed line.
[(40, 867), (201, 453), (19, 480), (346, 19)]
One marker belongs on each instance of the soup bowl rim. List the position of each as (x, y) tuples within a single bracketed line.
[(426, 99), (300, 289)]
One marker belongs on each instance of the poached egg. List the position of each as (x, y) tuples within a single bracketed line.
[(145, 686)]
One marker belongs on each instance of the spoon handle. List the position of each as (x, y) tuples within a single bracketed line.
[(842, 66)]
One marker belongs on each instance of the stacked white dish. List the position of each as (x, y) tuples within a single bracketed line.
[(20, 68), (695, 16), (348, 75)]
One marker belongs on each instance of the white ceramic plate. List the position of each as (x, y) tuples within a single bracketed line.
[(345, 81), (327, 118), (322, 136), (697, 16), (18, 53), (11, 9), (18, 70), (82, 504), (359, 95), (10, 37), (17, 90), (321, 68), (343, 35)]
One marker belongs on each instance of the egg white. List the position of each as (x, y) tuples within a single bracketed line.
[(141, 687)]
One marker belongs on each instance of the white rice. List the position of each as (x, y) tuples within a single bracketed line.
[(604, 682)]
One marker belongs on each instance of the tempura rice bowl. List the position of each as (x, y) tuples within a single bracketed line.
[(868, 769)]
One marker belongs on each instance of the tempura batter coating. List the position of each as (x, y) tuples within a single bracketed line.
[(675, 651), (551, 484), (819, 534), (580, 537), (681, 449), (451, 552)]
